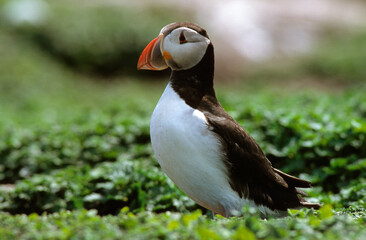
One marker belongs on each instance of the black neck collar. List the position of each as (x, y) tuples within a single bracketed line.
[(196, 83)]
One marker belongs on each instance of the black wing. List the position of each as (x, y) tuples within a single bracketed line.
[(251, 173)]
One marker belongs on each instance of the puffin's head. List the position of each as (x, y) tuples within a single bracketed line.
[(179, 46)]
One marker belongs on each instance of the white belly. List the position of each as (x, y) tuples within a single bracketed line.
[(190, 154)]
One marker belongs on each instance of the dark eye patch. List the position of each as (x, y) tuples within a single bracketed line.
[(182, 38)]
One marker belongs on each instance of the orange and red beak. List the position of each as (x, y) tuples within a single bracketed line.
[(152, 58)]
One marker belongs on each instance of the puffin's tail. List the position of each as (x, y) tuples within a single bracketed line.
[(306, 204), (293, 181), (298, 183)]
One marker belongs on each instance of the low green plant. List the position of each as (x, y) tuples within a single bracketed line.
[(316, 143), (27, 152), (107, 187), (83, 224)]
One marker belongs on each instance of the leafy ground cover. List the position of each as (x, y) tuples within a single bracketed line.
[(114, 162), (102, 160), (84, 224), (76, 160)]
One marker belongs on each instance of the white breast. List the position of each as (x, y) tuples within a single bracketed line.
[(190, 154)]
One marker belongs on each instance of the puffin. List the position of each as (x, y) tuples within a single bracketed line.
[(199, 146)]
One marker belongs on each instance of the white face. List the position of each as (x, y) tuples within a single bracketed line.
[(184, 48)]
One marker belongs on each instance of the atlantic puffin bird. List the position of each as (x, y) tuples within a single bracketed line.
[(201, 148)]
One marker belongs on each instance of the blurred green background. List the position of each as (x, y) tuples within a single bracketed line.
[(74, 125), (66, 53)]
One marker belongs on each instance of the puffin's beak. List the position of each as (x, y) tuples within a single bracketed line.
[(151, 58)]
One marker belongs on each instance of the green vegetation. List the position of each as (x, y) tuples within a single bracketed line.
[(339, 59), (342, 57), (103, 40), (75, 154), (88, 225), (113, 160)]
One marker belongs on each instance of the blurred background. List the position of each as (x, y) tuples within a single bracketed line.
[(86, 51)]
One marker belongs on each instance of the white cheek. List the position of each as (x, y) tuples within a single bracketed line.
[(186, 55)]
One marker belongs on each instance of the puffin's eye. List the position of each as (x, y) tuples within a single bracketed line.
[(182, 38)]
